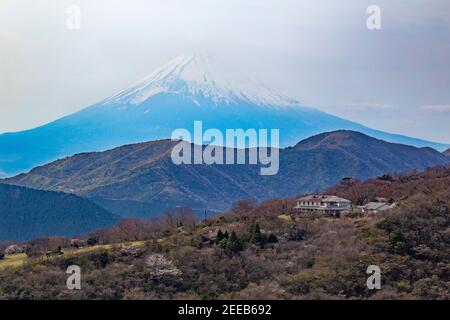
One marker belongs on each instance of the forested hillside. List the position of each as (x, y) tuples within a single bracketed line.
[(265, 251), (27, 213)]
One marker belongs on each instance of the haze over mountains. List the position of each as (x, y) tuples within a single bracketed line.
[(141, 179), (136, 178), (186, 89)]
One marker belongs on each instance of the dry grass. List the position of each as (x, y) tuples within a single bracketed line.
[(18, 260)]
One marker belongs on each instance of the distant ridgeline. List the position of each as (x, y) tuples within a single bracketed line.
[(142, 180), (186, 89)]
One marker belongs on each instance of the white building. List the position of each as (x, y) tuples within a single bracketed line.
[(323, 204), (375, 207)]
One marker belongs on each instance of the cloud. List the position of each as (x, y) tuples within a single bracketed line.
[(438, 108)]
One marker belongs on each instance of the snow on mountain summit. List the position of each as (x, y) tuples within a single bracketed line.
[(198, 76)]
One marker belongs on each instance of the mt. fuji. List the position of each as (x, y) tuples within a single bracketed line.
[(198, 77), (186, 89)]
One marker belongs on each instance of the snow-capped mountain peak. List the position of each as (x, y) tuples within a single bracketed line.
[(197, 76)]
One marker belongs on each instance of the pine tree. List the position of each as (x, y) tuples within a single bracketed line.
[(220, 236), (256, 237), (233, 237), (255, 234), (234, 244)]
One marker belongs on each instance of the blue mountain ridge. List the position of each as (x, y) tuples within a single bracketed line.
[(185, 90)]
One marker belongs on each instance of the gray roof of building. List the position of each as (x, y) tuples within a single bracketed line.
[(376, 206), (322, 198)]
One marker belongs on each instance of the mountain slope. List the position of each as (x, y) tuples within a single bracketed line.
[(141, 179), (447, 152), (27, 213), (186, 89), (312, 258)]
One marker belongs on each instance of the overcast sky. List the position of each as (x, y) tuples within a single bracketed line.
[(319, 51)]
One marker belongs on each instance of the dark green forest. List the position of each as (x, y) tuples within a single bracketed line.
[(27, 213)]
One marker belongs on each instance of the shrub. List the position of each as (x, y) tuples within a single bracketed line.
[(92, 242)]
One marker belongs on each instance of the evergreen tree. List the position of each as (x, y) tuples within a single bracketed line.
[(256, 237), (272, 238), (220, 236), (233, 237), (234, 244)]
